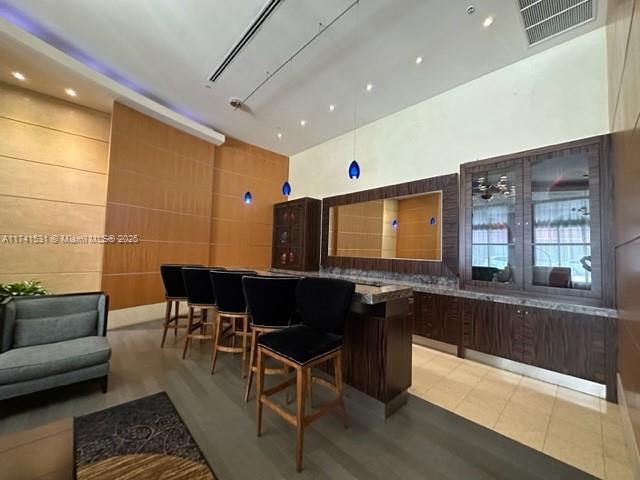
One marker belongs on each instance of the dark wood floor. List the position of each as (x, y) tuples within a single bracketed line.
[(421, 441)]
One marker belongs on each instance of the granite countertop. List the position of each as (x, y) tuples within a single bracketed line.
[(367, 292), (373, 290)]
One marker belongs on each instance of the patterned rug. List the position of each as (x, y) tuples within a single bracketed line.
[(142, 439)]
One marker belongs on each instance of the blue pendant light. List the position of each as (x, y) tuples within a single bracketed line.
[(432, 221), (248, 198), (286, 189), (394, 224), (354, 170)]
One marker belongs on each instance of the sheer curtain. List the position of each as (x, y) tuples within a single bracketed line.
[(562, 235), (490, 236)]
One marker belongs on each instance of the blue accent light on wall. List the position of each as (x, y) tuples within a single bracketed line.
[(354, 170), (248, 198), (432, 221), (286, 189), (394, 224)]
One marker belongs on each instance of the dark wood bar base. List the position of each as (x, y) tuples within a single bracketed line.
[(377, 353)]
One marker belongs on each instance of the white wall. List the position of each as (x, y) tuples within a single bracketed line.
[(552, 97)]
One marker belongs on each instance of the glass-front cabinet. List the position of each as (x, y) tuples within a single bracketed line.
[(533, 221)]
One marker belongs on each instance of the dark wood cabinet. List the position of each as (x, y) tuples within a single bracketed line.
[(436, 317), (565, 342), (539, 222), (296, 235), (492, 328)]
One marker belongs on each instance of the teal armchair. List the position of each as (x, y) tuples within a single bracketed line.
[(52, 340)]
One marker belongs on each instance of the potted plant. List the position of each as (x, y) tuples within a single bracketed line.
[(26, 287)]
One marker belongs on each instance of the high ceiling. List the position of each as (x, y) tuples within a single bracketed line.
[(167, 49)]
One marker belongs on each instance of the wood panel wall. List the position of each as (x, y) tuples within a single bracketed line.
[(160, 188), (53, 181), (416, 236), (359, 229), (623, 36), (241, 234)]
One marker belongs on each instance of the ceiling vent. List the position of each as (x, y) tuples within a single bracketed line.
[(253, 29), (544, 19)]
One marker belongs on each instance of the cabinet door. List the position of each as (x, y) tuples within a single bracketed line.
[(426, 322), (565, 342), (493, 328), (281, 228), (562, 222), (493, 225), (297, 217)]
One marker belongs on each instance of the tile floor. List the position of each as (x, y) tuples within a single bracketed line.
[(578, 429)]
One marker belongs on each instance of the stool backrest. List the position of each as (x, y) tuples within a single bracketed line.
[(198, 286), (172, 279), (227, 287), (324, 303), (271, 301)]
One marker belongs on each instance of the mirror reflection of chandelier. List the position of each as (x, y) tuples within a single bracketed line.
[(500, 189)]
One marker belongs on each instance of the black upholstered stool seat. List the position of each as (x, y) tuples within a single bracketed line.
[(301, 344)]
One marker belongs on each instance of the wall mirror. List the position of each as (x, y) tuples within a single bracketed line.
[(405, 228), (401, 227)]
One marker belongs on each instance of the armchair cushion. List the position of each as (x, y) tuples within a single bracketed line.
[(40, 331), (38, 361)]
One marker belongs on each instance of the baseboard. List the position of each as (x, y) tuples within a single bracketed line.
[(124, 317), (627, 430)]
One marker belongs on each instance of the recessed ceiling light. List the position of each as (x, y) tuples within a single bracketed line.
[(303, 123), (332, 108), (488, 21), (369, 87), (71, 92), (418, 60), (280, 135), (19, 76)]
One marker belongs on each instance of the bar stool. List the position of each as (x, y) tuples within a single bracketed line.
[(324, 305), (174, 293), (199, 295), (271, 301), (232, 306)]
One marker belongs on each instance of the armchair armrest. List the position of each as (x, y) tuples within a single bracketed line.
[(7, 322)]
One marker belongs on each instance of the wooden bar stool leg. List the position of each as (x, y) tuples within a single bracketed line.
[(301, 381), (259, 389), (167, 317), (187, 339), (216, 339), (175, 325), (309, 384), (252, 361), (245, 333), (337, 365)]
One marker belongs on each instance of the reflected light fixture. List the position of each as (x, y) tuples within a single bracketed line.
[(418, 60), (71, 92), (332, 108), (432, 221), (303, 123), (19, 76), (286, 189), (488, 21), (394, 223), (369, 87), (280, 135), (248, 198)]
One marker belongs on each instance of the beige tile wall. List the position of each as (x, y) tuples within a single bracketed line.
[(53, 181)]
